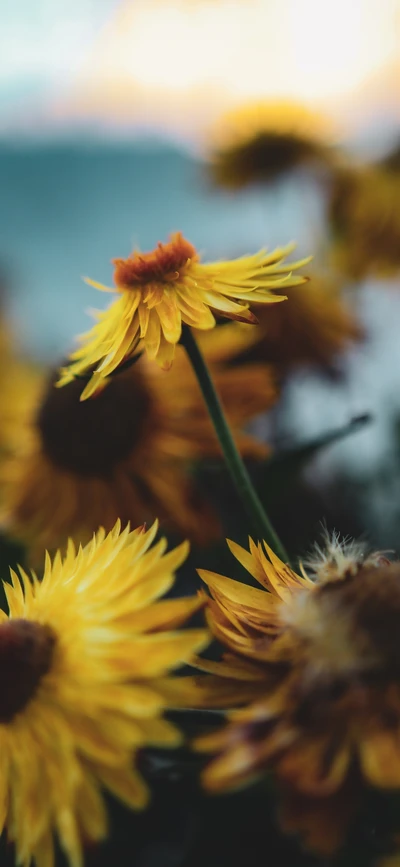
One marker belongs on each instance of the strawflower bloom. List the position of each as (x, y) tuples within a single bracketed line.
[(260, 141), (128, 452), (158, 292), (314, 327), (365, 216), (84, 655), (320, 654)]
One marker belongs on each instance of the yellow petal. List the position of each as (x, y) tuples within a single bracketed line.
[(127, 785), (380, 758)]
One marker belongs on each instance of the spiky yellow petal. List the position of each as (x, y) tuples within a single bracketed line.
[(80, 654), (160, 291)]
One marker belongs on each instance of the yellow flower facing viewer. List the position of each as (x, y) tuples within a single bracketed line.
[(127, 453), (83, 659), (161, 290), (317, 661)]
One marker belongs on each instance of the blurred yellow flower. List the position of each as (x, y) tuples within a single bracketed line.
[(127, 452), (260, 141), (320, 656), (83, 659), (314, 327), (364, 212), (159, 291), (20, 381)]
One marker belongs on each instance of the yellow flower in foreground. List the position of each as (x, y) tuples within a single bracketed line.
[(83, 658), (161, 290), (365, 216), (321, 660), (259, 141), (127, 453)]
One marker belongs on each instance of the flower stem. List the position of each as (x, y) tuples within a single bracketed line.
[(261, 524)]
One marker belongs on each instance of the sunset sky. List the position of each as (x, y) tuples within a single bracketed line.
[(173, 65)]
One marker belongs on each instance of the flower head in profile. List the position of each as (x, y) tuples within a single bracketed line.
[(158, 292), (365, 217), (128, 452), (260, 141), (83, 658), (316, 658)]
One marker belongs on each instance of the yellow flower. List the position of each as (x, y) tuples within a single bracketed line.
[(19, 378), (83, 658), (126, 453), (365, 216), (159, 291), (313, 327), (259, 141), (320, 657)]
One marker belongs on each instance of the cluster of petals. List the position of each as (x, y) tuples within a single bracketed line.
[(159, 292), (314, 658)]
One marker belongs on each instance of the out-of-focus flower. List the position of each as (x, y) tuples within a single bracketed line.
[(127, 452), (20, 381), (161, 290), (364, 213), (314, 327), (83, 657), (391, 162), (321, 656), (258, 142), (390, 861)]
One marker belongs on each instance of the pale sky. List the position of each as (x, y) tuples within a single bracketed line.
[(175, 64)]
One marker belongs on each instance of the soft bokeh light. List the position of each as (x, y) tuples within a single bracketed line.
[(157, 57), (174, 65), (312, 50)]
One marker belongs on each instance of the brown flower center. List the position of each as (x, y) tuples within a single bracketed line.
[(26, 651), (369, 604), (160, 265), (91, 437), (266, 155)]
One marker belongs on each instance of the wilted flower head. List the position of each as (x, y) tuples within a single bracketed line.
[(321, 658), (158, 292), (83, 659), (259, 141)]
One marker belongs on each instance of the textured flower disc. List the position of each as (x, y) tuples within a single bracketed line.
[(160, 291)]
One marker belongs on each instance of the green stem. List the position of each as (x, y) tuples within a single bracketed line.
[(261, 524)]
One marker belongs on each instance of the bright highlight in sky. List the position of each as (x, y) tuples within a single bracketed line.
[(309, 49), (177, 64)]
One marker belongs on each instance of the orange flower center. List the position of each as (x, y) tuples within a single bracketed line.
[(26, 652), (160, 265), (91, 437)]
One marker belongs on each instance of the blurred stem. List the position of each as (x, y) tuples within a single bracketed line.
[(261, 525)]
